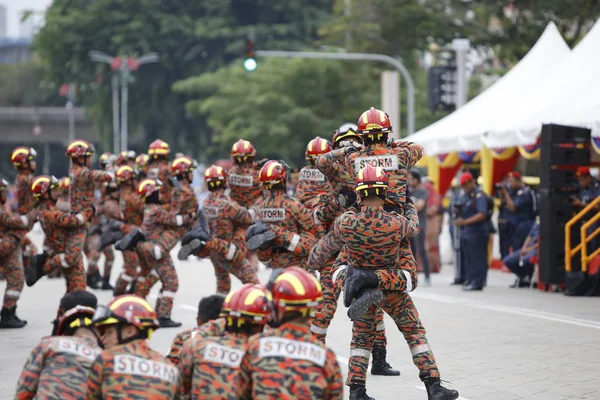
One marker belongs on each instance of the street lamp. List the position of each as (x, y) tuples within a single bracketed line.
[(125, 67)]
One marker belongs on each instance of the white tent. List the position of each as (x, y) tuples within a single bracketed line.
[(570, 96), (463, 130)]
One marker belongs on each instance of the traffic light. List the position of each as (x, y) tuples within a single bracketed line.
[(441, 88), (250, 61)]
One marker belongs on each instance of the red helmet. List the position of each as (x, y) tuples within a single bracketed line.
[(317, 147), (124, 156), (215, 177), (272, 173), (242, 150), (248, 303), (141, 161), (345, 132), (43, 184), (295, 290), (124, 174), (147, 187), (183, 164), (374, 124), (104, 159), (21, 155), (371, 177), (80, 148), (127, 309), (76, 317), (158, 148)]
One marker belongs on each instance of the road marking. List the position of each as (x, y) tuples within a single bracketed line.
[(423, 389), (526, 312), (188, 307)]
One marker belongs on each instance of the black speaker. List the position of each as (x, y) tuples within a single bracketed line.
[(555, 212), (558, 179), (553, 134)]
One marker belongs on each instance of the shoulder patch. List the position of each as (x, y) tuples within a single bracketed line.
[(311, 174), (241, 180), (225, 355), (388, 162), (70, 346), (294, 349), (272, 214), (132, 365)]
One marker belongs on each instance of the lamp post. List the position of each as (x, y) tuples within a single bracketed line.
[(125, 67)]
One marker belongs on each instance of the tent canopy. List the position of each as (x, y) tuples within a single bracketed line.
[(569, 96), (464, 129)]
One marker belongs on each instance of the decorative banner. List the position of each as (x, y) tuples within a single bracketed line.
[(450, 160), (596, 144), (503, 154), (442, 176), (532, 151), (469, 157)]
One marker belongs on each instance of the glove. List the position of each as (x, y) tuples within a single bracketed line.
[(356, 280), (391, 142), (285, 165), (115, 225), (262, 162), (175, 182), (349, 196), (351, 148)]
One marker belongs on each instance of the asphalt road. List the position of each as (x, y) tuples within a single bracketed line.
[(500, 344)]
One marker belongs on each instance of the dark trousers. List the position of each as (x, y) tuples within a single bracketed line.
[(526, 269), (417, 245), (474, 257)]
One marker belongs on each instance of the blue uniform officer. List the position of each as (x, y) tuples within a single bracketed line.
[(520, 262), (474, 233), (520, 210)]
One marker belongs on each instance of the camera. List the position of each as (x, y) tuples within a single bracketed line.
[(458, 210), (498, 186)]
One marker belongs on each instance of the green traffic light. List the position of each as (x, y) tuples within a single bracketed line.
[(250, 64)]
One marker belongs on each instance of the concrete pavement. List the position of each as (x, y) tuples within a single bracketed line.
[(500, 344)]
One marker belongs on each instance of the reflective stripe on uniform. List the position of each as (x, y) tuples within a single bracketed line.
[(179, 220), (155, 273), (13, 293), (168, 294), (157, 252), (337, 272), (63, 260), (360, 353), (294, 242), (126, 278), (422, 348), (318, 330), (409, 285), (231, 253), (381, 327)]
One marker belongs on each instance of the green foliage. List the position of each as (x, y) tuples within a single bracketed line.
[(282, 105), (23, 85)]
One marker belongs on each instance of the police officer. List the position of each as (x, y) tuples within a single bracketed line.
[(518, 212), (455, 211), (475, 232), (589, 188)]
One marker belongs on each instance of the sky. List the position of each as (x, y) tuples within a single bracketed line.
[(14, 8)]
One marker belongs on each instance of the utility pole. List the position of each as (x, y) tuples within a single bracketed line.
[(410, 87), (461, 47), (115, 107)]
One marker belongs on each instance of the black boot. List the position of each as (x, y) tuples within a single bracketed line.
[(130, 240), (356, 280), (259, 236), (191, 248), (366, 298), (109, 238), (380, 366), (8, 319), (358, 392), (106, 283), (435, 390), (167, 322), (197, 233), (93, 280), (35, 270)]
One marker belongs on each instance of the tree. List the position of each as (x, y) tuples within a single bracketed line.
[(23, 85), (191, 38), (282, 105)]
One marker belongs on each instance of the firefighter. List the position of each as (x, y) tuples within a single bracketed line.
[(60, 228), (208, 323), (12, 228), (288, 361), (225, 218), (158, 167), (285, 232), (128, 367), (141, 165), (158, 226), (58, 367), (378, 276), (210, 366), (311, 182)]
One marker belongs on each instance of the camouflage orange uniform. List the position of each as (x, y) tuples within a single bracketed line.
[(276, 358), (58, 368), (244, 185), (224, 218), (311, 181), (60, 228), (215, 327), (133, 371)]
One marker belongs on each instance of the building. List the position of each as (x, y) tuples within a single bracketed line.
[(15, 51)]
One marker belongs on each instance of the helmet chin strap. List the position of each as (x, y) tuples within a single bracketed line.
[(139, 335)]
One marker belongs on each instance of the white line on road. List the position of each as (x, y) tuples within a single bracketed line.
[(188, 307), (459, 397), (565, 319)]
